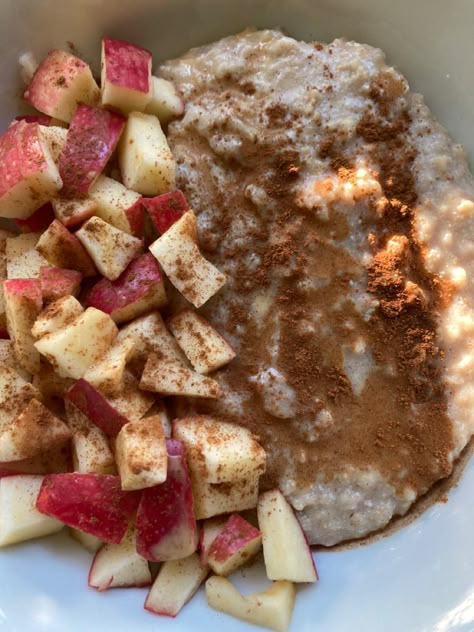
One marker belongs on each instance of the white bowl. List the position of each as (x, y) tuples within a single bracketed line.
[(419, 579)]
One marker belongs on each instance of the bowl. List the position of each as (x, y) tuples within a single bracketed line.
[(417, 579)]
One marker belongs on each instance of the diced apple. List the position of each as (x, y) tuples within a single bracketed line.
[(58, 282), (272, 608), (126, 75), (158, 410), (9, 359), (88, 541), (53, 461), (56, 315), (210, 529), (15, 394), (28, 175), (166, 209), (20, 519), (64, 250), (146, 162), (234, 546), (219, 451), (111, 249), (130, 400), (23, 260), (178, 252), (74, 348), (213, 499), (140, 452), (91, 139), (175, 584), (73, 211), (151, 336), (107, 373), (55, 137), (34, 431), (60, 83), (172, 377), (90, 448), (38, 221), (117, 205), (165, 103), (166, 526), (282, 534), (119, 565), (41, 119), (93, 503), (50, 384), (23, 303), (204, 347), (137, 290)]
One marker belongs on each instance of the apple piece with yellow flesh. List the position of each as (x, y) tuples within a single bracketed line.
[(210, 529), (59, 282), (165, 102), (165, 209), (23, 260), (56, 315), (15, 394), (64, 250), (234, 546), (117, 205), (107, 374), (23, 303), (73, 211)]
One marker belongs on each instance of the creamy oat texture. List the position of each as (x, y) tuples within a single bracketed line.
[(343, 215)]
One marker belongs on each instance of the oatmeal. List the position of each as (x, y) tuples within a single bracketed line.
[(342, 214)]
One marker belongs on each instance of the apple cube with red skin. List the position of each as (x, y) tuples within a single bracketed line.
[(58, 282), (73, 211), (107, 374), (41, 119), (126, 76), (91, 140), (111, 249), (64, 250), (20, 518), (129, 399), (178, 252), (53, 461), (234, 546), (166, 526), (23, 260), (15, 394), (23, 303), (75, 347), (8, 358), (119, 566), (141, 455), (146, 162), (137, 290), (34, 431), (166, 209), (50, 384), (55, 137), (93, 503), (60, 83), (271, 608), (38, 221), (28, 175), (117, 205), (175, 584), (56, 315), (210, 529), (165, 103), (204, 347), (285, 548)]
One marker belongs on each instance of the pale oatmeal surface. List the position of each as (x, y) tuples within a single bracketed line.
[(343, 215)]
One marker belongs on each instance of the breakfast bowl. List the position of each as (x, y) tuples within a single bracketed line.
[(415, 574)]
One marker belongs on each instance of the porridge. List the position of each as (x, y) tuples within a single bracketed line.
[(341, 212)]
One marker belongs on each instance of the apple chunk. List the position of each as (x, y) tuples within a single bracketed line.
[(15, 394), (56, 315), (91, 140), (23, 260), (146, 162), (175, 584), (28, 175), (141, 455), (204, 347), (126, 75), (165, 103), (234, 546), (58, 282), (178, 253), (34, 431), (61, 82), (93, 503), (111, 249), (271, 609), (20, 519), (210, 529), (151, 335), (75, 347), (73, 211), (38, 221), (107, 373), (117, 205), (23, 303), (139, 289), (166, 526), (285, 549), (64, 250), (166, 209), (119, 566)]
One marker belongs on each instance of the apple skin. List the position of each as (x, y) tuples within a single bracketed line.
[(95, 406), (64, 250), (234, 545), (41, 119), (137, 290), (91, 139), (93, 503), (166, 209), (166, 526), (58, 282), (38, 221), (51, 462)]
